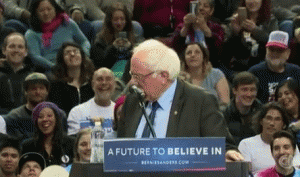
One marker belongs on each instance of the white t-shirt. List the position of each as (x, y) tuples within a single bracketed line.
[(2, 125), (256, 151), (82, 115)]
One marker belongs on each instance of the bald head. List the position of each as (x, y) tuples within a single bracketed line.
[(102, 70), (103, 84)]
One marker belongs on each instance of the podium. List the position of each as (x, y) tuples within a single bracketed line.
[(233, 169)]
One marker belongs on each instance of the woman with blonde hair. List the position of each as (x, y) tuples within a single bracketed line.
[(82, 147)]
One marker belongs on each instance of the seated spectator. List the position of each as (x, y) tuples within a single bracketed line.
[(49, 139), (200, 28), (78, 12), (159, 17), (256, 150), (17, 14), (10, 151), (246, 42), (283, 149), (72, 74), (89, 10), (196, 63), (31, 164), (82, 148), (49, 31), (13, 71), (242, 106), (85, 26), (136, 27), (112, 45), (100, 105), (275, 67), (19, 120), (287, 94), (4, 31)]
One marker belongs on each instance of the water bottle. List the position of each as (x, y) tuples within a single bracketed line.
[(97, 143)]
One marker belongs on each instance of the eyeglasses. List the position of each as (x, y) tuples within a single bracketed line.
[(140, 76), (74, 51)]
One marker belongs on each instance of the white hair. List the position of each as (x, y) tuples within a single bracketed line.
[(160, 57)]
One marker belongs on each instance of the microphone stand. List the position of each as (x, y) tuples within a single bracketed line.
[(142, 105)]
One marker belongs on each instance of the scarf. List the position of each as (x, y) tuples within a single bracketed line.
[(49, 27)]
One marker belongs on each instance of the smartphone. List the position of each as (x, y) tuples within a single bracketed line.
[(193, 7), (122, 34), (242, 14)]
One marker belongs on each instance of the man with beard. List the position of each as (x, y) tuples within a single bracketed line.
[(275, 67), (10, 151), (18, 121), (100, 106)]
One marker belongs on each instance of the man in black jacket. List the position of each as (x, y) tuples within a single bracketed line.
[(238, 114)]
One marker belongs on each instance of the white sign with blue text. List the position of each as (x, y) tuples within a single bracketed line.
[(168, 154)]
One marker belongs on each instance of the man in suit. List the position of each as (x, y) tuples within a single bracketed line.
[(183, 110)]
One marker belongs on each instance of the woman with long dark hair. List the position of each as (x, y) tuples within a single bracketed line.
[(49, 139), (247, 37), (114, 42), (287, 94), (71, 77), (50, 27), (201, 27)]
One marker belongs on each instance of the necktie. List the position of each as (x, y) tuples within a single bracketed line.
[(146, 132)]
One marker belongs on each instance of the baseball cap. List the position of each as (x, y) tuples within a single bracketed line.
[(32, 156), (35, 78), (278, 39)]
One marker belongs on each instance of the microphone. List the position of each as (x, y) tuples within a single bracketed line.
[(136, 90), (141, 95)]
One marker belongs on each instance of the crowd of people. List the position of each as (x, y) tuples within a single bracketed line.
[(66, 63)]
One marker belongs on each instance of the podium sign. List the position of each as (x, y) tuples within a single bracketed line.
[(169, 154)]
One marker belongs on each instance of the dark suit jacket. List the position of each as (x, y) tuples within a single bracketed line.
[(194, 113)]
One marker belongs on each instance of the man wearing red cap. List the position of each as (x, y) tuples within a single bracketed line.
[(275, 67)]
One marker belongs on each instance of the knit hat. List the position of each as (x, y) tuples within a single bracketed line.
[(36, 111), (278, 39), (36, 78), (31, 156)]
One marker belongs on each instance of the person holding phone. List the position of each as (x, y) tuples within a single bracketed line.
[(200, 27), (113, 43), (249, 29)]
